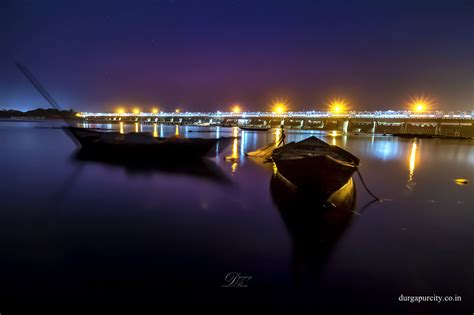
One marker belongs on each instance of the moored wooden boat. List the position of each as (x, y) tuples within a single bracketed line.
[(314, 165), (142, 144), (131, 144)]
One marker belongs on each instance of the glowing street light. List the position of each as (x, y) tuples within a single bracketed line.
[(155, 110), (120, 110), (236, 109), (136, 111), (338, 106), (177, 110), (280, 106), (420, 104)]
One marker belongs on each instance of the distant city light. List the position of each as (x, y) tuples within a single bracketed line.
[(177, 110), (338, 105), (236, 109), (155, 110), (120, 110), (136, 111), (280, 106), (420, 104)]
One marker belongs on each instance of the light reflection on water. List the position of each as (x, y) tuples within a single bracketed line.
[(176, 132), (158, 228), (412, 161), (277, 133), (388, 149), (234, 158), (235, 131), (383, 149)]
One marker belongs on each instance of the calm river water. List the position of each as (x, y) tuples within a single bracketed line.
[(84, 232)]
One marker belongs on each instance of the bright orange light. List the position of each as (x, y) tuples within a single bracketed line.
[(155, 110), (177, 110), (338, 105), (280, 106), (420, 103), (236, 109), (120, 110), (136, 111)]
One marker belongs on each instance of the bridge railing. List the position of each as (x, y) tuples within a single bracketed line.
[(306, 114)]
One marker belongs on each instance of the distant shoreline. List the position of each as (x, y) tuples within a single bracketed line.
[(39, 114)]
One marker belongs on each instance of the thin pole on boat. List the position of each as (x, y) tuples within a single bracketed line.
[(41, 89)]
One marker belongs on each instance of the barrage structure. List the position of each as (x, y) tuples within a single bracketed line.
[(452, 124)]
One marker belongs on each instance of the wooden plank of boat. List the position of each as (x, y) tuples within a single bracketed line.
[(143, 144), (314, 165)]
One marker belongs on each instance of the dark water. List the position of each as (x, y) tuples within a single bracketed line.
[(82, 232)]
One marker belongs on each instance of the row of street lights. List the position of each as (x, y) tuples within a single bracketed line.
[(337, 106)]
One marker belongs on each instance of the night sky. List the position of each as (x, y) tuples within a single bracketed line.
[(207, 55)]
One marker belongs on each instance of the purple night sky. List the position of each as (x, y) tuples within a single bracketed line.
[(207, 55)]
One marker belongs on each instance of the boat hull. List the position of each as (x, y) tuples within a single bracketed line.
[(314, 165), (319, 174), (113, 144)]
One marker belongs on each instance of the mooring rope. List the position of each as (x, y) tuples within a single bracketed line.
[(367, 188)]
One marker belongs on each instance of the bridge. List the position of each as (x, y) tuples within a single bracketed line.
[(453, 124)]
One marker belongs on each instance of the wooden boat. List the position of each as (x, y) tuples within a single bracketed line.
[(131, 144), (143, 144), (255, 128), (314, 165)]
